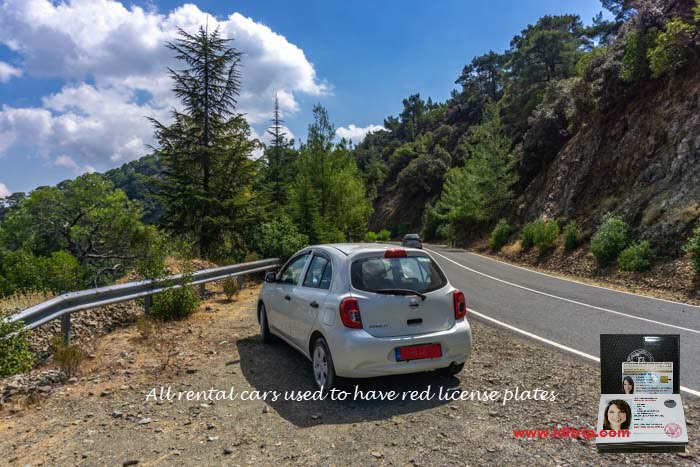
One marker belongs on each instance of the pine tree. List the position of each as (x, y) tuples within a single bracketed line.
[(479, 191), (280, 171), (205, 151)]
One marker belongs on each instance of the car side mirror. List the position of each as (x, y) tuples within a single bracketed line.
[(271, 277)]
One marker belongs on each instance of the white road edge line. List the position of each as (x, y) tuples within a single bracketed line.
[(556, 344), (578, 282), (566, 299)]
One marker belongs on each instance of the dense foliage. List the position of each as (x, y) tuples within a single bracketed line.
[(610, 239), (557, 76), (80, 233), (542, 233), (15, 356), (636, 257), (693, 248), (571, 235), (500, 234)]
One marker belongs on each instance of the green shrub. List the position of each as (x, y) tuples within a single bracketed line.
[(445, 232), (231, 287), (546, 234), (499, 235), (672, 49), (152, 264), (571, 235), (541, 233), (370, 237), (15, 356), (527, 236), (68, 356), (383, 235), (145, 327), (176, 303), (279, 238), (636, 257), (609, 240), (635, 63), (693, 248), (61, 272)]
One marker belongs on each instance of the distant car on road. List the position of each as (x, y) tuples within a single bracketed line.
[(364, 310), (412, 241)]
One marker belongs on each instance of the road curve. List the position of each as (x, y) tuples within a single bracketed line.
[(566, 314)]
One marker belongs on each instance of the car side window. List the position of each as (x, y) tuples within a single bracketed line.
[(292, 273), (319, 273)]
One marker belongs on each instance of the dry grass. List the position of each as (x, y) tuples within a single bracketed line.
[(22, 300), (512, 249)]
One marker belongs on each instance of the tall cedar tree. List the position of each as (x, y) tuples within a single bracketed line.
[(204, 152), (280, 170)]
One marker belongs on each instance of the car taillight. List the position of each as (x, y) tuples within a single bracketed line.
[(460, 304), (395, 253), (350, 313)]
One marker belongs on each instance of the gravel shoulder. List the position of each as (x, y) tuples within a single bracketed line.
[(103, 418)]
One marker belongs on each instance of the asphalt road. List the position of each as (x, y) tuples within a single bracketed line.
[(566, 314)]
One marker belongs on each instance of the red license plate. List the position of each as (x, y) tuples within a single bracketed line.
[(418, 352)]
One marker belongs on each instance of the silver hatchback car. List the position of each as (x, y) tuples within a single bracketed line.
[(363, 310)]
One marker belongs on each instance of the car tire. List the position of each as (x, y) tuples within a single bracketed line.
[(265, 333), (322, 366), (451, 370)]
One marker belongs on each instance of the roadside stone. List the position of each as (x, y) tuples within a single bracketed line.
[(144, 421), (378, 455), (228, 451), (130, 462)]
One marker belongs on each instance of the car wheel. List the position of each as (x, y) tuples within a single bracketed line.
[(322, 365), (264, 327), (451, 370)]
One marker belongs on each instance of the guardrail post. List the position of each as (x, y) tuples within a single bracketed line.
[(147, 302), (202, 289), (65, 328)]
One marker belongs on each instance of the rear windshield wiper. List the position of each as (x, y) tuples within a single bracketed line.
[(400, 292)]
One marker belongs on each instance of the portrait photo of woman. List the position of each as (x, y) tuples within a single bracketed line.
[(628, 385), (618, 415)]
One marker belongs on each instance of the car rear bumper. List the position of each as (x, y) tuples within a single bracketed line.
[(357, 354)]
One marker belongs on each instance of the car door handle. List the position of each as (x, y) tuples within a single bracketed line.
[(314, 304), (287, 297)]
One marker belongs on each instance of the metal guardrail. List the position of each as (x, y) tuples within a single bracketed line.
[(64, 305)]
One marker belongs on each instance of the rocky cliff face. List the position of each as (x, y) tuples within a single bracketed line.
[(641, 162)]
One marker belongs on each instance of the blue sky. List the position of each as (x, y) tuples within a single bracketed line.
[(78, 78)]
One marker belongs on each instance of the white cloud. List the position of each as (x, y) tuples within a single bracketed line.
[(68, 162), (7, 72), (115, 59), (357, 134), (4, 191)]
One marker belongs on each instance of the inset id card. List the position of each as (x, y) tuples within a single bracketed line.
[(647, 378)]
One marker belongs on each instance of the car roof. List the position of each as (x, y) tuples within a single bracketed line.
[(352, 249)]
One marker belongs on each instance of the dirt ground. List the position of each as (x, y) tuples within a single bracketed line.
[(103, 418)]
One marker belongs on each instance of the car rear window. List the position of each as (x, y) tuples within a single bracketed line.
[(418, 273)]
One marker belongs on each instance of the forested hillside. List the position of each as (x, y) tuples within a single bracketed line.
[(573, 125), (572, 122)]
